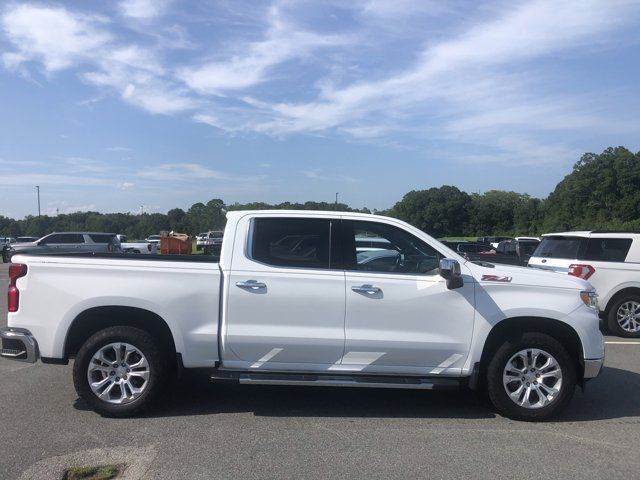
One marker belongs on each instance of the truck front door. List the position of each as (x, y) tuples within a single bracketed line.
[(400, 316)]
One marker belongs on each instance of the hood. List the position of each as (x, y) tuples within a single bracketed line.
[(527, 276), (19, 245)]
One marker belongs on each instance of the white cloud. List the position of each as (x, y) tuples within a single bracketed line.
[(60, 39), (31, 179), (252, 63), (81, 164), (181, 172), (125, 186), (51, 35), (318, 174), (142, 9)]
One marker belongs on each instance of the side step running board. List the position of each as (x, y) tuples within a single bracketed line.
[(332, 380)]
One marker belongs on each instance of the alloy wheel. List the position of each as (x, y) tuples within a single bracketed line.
[(118, 373), (532, 378), (628, 316)]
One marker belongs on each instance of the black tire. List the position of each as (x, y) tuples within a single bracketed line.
[(496, 390), (612, 317), (156, 358)]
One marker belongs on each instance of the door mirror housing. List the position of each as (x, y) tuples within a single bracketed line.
[(450, 271)]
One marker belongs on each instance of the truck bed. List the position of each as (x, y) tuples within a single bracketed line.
[(182, 291)]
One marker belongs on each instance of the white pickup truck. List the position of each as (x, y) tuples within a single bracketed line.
[(290, 303)]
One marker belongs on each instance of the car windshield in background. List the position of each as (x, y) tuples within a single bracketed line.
[(527, 248), (558, 247)]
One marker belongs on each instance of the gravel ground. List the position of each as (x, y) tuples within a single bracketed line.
[(201, 430)]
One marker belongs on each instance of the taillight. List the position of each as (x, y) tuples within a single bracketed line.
[(581, 271), (16, 270)]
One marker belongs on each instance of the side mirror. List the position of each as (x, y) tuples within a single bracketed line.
[(450, 271)]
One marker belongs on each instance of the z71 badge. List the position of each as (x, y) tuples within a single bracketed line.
[(495, 278)]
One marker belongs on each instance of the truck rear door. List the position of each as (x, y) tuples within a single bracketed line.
[(285, 304)]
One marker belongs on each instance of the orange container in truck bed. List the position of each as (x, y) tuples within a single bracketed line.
[(175, 243)]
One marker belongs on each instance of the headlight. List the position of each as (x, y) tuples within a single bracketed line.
[(590, 299)]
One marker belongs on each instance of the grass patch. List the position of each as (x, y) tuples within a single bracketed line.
[(470, 239), (100, 472)]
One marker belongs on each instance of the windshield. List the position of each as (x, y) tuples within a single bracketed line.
[(527, 248), (558, 247)]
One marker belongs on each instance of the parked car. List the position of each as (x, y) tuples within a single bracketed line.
[(610, 261), (7, 241), (510, 252), (137, 247), (5, 245), (153, 239), (200, 240), (210, 242), (464, 246), (493, 241), (70, 242), (289, 303)]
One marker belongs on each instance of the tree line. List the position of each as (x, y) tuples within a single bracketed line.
[(601, 192)]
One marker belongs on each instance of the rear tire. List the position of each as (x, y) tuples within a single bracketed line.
[(127, 368), (521, 387), (618, 317)]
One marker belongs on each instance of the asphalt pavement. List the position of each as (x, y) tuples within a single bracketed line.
[(206, 431)]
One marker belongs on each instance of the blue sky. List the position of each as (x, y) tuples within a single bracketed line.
[(112, 105)]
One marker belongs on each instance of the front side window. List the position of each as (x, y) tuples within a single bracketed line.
[(292, 242), (607, 249), (403, 253)]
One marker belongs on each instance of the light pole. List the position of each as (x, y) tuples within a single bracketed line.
[(38, 190)]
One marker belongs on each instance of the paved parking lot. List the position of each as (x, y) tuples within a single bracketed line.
[(202, 430)]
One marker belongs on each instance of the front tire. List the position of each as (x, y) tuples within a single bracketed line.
[(120, 371), (531, 377), (624, 317)]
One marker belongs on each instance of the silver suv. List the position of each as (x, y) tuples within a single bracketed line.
[(70, 242)]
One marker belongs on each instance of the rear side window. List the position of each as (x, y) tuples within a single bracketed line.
[(60, 238), (607, 249), (292, 242), (101, 238), (559, 247)]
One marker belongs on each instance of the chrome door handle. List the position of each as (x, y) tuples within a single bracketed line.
[(368, 289), (251, 285)]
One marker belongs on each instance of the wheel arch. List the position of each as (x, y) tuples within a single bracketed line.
[(94, 319), (512, 327)]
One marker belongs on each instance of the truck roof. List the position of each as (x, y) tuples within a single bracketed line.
[(241, 213), (594, 233)]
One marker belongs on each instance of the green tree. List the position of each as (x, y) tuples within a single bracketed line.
[(442, 211), (602, 191)]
